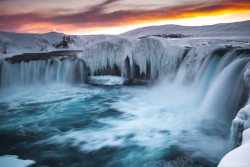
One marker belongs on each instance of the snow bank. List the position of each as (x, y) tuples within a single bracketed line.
[(14, 161), (238, 157), (106, 80)]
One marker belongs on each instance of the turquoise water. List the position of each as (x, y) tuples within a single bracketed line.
[(86, 125)]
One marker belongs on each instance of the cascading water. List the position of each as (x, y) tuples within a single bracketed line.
[(42, 72), (208, 75), (227, 93), (148, 125)]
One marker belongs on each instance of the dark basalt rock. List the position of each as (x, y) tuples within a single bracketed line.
[(66, 41), (109, 71), (221, 51), (26, 57), (167, 36), (245, 51)]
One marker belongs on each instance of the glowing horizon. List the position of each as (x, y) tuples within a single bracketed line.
[(116, 16)]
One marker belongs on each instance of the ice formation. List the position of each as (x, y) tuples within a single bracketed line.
[(106, 80), (144, 58)]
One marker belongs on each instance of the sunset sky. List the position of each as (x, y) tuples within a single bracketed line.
[(115, 16)]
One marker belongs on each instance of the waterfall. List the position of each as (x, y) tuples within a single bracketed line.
[(208, 75), (226, 94), (219, 75), (42, 72)]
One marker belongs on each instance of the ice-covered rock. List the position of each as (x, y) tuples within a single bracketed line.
[(106, 80), (243, 117), (14, 161), (239, 157), (105, 55), (145, 58), (247, 75), (239, 124)]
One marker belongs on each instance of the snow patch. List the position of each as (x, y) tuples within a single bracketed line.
[(14, 161)]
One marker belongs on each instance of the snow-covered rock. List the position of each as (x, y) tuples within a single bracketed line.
[(14, 161), (106, 80)]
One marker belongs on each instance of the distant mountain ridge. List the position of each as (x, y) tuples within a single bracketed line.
[(223, 29)]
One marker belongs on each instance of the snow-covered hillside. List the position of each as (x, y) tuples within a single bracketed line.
[(221, 30), (17, 43)]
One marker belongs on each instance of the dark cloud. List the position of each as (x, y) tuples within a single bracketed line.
[(99, 7), (96, 16)]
